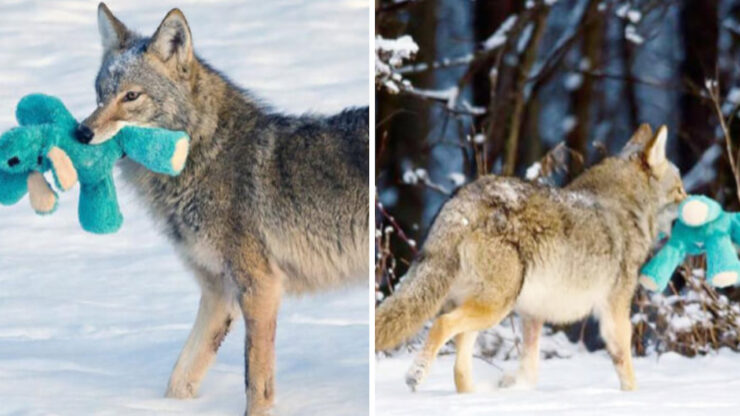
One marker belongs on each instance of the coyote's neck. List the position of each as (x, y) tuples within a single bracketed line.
[(629, 190), (215, 109), (215, 105)]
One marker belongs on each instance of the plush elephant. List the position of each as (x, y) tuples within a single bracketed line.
[(702, 227), (45, 141)]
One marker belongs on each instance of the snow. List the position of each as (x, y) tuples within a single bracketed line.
[(457, 178), (734, 96), (389, 55), (668, 385), (568, 124), (625, 12), (524, 38), (634, 16), (399, 49), (534, 171), (501, 34), (410, 177), (93, 324), (622, 10), (573, 81), (630, 33)]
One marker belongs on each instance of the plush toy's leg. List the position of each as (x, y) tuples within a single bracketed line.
[(656, 274), (43, 198), (64, 171), (13, 187), (723, 266), (735, 227), (98, 209), (161, 151)]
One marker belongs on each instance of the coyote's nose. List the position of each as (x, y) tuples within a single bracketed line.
[(13, 161), (83, 134)]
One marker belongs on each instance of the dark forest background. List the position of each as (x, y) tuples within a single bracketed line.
[(497, 86)]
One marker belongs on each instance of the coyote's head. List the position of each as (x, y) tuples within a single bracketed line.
[(648, 151), (142, 81), (641, 175)]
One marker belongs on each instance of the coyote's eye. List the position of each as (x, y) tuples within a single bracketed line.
[(131, 96)]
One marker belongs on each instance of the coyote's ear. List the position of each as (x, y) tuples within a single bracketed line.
[(172, 39), (655, 150), (113, 32), (638, 141)]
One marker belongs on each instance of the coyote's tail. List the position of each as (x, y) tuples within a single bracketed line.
[(417, 299)]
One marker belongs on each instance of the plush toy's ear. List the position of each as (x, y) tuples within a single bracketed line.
[(64, 171), (697, 210), (43, 109), (637, 142), (113, 33), (43, 198)]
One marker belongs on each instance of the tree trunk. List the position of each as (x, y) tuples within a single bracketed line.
[(402, 126), (699, 27), (582, 97), (517, 113), (488, 15)]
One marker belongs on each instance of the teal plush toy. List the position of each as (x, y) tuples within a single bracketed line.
[(45, 141), (702, 227)]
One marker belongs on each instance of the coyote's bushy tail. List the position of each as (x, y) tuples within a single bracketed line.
[(427, 283), (416, 300)]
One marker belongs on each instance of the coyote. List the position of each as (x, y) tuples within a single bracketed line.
[(266, 204), (552, 255)]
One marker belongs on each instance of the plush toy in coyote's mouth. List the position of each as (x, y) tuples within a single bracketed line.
[(45, 141), (702, 227)]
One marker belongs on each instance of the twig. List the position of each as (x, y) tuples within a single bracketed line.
[(712, 87)]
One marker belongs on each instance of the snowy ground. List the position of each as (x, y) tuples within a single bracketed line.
[(584, 384), (92, 324)]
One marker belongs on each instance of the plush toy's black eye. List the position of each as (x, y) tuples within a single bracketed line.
[(131, 96), (40, 160)]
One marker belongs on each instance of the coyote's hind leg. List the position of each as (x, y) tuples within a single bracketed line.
[(464, 343), (494, 269)]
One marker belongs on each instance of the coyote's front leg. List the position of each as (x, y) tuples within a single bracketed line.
[(216, 313), (259, 301), (526, 376), (616, 329)]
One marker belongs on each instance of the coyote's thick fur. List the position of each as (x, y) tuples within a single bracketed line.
[(266, 204), (553, 255)]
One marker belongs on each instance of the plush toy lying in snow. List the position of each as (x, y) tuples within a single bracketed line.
[(46, 141), (702, 227)]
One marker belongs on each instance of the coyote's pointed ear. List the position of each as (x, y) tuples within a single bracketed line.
[(172, 39), (655, 150), (113, 33), (638, 141)]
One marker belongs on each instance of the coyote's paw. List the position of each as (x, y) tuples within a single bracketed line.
[(180, 391), (628, 385), (417, 373), (266, 411), (514, 381)]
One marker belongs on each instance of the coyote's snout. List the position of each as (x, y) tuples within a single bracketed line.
[(552, 255)]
